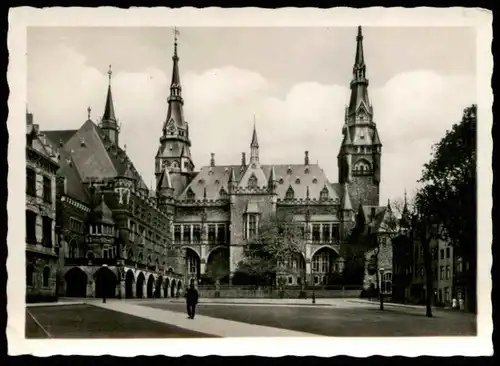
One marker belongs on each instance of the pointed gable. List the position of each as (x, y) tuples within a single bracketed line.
[(165, 182), (104, 213), (346, 199), (253, 177), (90, 158)]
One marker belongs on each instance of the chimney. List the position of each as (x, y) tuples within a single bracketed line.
[(212, 159), (29, 118), (243, 159), (306, 157)]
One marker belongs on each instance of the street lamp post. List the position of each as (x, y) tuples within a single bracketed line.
[(381, 290), (104, 285)]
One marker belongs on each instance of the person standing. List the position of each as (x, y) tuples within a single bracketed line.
[(191, 300)]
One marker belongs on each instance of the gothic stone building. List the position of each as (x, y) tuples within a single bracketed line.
[(218, 208), (113, 232), (41, 254)]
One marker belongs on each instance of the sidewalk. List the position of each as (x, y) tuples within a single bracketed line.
[(394, 304), (202, 324), (278, 302)]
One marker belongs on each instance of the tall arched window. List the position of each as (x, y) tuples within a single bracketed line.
[(46, 276), (30, 271)]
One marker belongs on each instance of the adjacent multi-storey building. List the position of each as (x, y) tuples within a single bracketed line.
[(114, 233), (41, 252)]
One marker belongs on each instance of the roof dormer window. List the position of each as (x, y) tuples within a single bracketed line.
[(290, 194), (289, 170), (306, 171), (297, 181)]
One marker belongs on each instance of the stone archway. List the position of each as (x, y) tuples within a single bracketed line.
[(192, 263), (150, 286), (172, 289), (129, 284), (139, 293), (217, 269), (76, 283), (105, 283), (166, 287), (159, 283), (323, 266)]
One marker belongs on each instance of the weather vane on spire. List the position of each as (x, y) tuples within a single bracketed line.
[(176, 33), (110, 72)]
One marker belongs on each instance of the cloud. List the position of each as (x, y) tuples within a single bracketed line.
[(412, 110)]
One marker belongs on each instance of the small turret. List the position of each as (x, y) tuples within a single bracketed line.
[(273, 181)]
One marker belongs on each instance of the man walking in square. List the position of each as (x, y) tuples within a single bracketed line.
[(191, 300)]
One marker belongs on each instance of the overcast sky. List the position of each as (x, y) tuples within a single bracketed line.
[(296, 81)]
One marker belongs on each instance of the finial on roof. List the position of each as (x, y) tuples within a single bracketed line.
[(110, 73), (307, 192), (125, 147), (212, 159), (176, 33), (388, 203), (204, 193), (88, 112), (306, 157), (405, 195)]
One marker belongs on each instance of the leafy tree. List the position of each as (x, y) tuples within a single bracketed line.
[(218, 266), (447, 199), (269, 254)]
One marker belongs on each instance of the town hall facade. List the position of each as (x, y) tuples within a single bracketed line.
[(116, 237), (219, 207)]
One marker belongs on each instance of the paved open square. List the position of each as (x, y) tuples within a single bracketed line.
[(163, 318), (340, 319), (88, 321)]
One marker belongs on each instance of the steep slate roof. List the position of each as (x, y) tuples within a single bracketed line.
[(93, 155), (58, 136), (221, 175), (74, 186)]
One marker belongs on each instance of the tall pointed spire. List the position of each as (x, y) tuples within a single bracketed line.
[(254, 145), (175, 143), (175, 113), (359, 83), (255, 142), (360, 59), (109, 123), (109, 108)]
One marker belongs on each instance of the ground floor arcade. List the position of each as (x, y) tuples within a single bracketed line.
[(121, 282)]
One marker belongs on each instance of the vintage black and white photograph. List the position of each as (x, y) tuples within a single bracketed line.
[(199, 182)]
